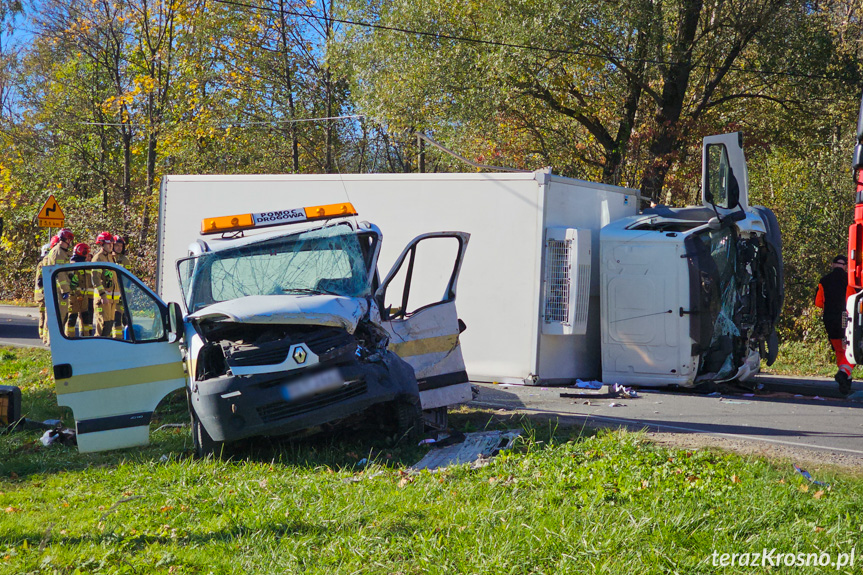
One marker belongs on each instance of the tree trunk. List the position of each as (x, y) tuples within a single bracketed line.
[(675, 78)]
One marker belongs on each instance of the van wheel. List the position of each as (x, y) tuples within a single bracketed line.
[(409, 421), (204, 444)]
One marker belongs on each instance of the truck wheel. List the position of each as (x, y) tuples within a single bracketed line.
[(204, 444), (409, 421)]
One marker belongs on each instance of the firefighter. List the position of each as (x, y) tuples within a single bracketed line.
[(81, 300), (104, 287), (59, 255), (830, 296), (39, 292), (120, 319)]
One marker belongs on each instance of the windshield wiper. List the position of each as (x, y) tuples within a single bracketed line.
[(309, 291)]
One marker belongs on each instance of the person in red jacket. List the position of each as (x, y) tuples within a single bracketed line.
[(831, 295)]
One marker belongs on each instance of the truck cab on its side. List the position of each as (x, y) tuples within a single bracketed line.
[(693, 294), (281, 331)]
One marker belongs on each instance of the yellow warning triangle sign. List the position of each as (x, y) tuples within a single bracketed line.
[(51, 215)]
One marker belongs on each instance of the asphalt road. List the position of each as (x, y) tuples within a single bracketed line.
[(777, 418), (19, 326), (830, 424)]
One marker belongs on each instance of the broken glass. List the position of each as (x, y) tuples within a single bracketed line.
[(326, 260), (719, 359)]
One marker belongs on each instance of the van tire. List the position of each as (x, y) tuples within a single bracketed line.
[(203, 443), (409, 420)]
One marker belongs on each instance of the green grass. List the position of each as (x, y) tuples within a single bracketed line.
[(806, 358), (564, 501), (18, 302)]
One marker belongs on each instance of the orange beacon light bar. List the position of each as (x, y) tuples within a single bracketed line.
[(226, 224)]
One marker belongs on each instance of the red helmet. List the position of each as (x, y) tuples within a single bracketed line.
[(66, 235), (82, 250), (105, 237), (119, 240), (54, 241)]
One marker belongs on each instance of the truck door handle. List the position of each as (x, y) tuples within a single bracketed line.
[(684, 312), (62, 371)]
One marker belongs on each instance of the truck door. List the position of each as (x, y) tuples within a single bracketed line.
[(417, 305), (725, 178), (112, 385)]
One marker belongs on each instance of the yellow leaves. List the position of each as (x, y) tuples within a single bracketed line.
[(818, 494), (735, 479), (11, 509), (803, 488)]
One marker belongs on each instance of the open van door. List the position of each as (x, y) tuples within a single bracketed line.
[(417, 306), (114, 385), (725, 178)]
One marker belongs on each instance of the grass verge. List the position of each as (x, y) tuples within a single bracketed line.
[(806, 359), (564, 501)]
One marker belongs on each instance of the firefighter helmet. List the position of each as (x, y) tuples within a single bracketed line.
[(105, 237), (119, 240), (82, 250), (66, 235), (54, 241)]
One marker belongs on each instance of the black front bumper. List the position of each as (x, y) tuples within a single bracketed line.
[(236, 407)]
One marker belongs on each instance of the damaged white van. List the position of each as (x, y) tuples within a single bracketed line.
[(281, 332)]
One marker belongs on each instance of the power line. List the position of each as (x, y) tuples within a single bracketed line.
[(230, 124), (481, 41)]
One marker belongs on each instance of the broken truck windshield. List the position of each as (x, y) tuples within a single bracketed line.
[(327, 260)]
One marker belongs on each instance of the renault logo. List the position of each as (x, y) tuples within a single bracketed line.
[(300, 355)]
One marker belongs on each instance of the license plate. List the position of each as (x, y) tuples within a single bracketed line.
[(313, 384)]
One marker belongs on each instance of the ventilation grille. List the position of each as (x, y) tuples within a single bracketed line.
[(558, 281), (566, 281), (582, 297)]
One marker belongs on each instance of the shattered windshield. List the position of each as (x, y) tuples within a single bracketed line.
[(720, 280), (327, 260)]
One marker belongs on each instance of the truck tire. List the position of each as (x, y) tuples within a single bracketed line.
[(409, 421), (203, 443)]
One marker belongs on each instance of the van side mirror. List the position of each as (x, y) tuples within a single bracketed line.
[(175, 322)]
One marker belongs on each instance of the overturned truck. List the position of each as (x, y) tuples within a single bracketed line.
[(693, 294)]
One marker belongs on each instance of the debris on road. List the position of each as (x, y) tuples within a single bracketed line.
[(477, 449), (588, 384), (614, 390)]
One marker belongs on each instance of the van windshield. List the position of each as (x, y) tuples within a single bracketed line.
[(327, 260)]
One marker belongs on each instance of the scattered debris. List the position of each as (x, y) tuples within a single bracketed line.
[(588, 384), (614, 390), (714, 394), (818, 398), (723, 400), (477, 449), (614, 404), (59, 435), (625, 392), (805, 474)]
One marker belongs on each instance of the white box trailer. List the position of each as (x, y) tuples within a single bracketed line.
[(529, 284)]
